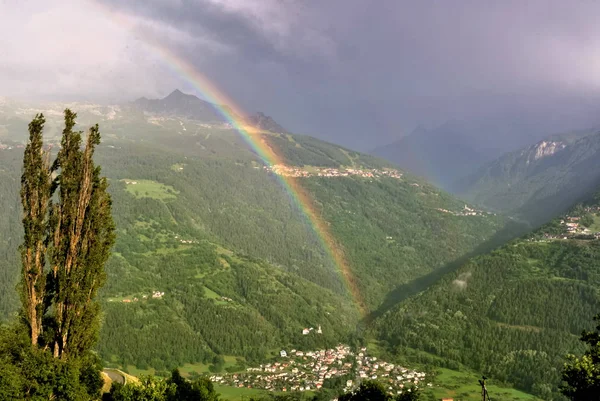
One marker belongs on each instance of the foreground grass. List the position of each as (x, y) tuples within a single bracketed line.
[(464, 386), (460, 385)]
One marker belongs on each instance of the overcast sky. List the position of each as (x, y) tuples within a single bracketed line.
[(358, 72)]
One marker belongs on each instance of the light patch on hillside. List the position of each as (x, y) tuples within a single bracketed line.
[(461, 282), (544, 149), (150, 189)]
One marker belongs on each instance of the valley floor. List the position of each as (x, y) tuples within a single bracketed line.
[(306, 372)]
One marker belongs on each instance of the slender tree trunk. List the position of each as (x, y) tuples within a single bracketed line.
[(35, 198), (82, 230)]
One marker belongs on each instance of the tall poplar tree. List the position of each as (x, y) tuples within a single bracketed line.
[(82, 233), (35, 197), (68, 235)]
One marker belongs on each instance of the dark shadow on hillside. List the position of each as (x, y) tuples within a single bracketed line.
[(511, 230), (542, 210)]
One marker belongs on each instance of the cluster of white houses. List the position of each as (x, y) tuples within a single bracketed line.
[(466, 211), (306, 331), (292, 171), (306, 371), (155, 295), (572, 228), (186, 241)]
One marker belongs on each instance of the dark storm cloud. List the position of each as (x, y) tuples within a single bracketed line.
[(361, 72)]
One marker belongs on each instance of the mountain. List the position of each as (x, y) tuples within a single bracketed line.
[(442, 154), (215, 259), (181, 104), (191, 107), (539, 181), (512, 314)]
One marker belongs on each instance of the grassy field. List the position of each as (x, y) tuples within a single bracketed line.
[(596, 226), (150, 189), (201, 368), (133, 371), (238, 394), (463, 386), (208, 293)]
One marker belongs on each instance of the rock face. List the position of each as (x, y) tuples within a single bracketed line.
[(543, 149)]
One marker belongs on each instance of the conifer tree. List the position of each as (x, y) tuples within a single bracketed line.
[(35, 197), (82, 233)]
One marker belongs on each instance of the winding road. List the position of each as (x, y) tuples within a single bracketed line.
[(115, 375)]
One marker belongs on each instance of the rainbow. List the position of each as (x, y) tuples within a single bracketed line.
[(235, 116)]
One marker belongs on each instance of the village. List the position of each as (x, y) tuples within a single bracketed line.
[(572, 227), (4, 146), (467, 211), (155, 295), (307, 371), (291, 171)]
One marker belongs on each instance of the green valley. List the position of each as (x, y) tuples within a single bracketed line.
[(237, 268)]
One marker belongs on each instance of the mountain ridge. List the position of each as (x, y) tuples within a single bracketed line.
[(539, 181), (191, 107)]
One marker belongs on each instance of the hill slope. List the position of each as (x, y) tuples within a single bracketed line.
[(201, 220), (512, 314), (540, 181)]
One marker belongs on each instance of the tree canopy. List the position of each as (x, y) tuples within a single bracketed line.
[(581, 375)]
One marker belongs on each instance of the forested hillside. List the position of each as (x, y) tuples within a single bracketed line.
[(212, 258), (512, 314)]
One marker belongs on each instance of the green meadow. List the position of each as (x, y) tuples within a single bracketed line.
[(150, 189)]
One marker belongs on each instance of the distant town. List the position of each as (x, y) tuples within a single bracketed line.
[(292, 171), (4, 146), (573, 227), (307, 371), (466, 211)]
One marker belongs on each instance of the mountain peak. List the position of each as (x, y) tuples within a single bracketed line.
[(181, 104), (177, 94)]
